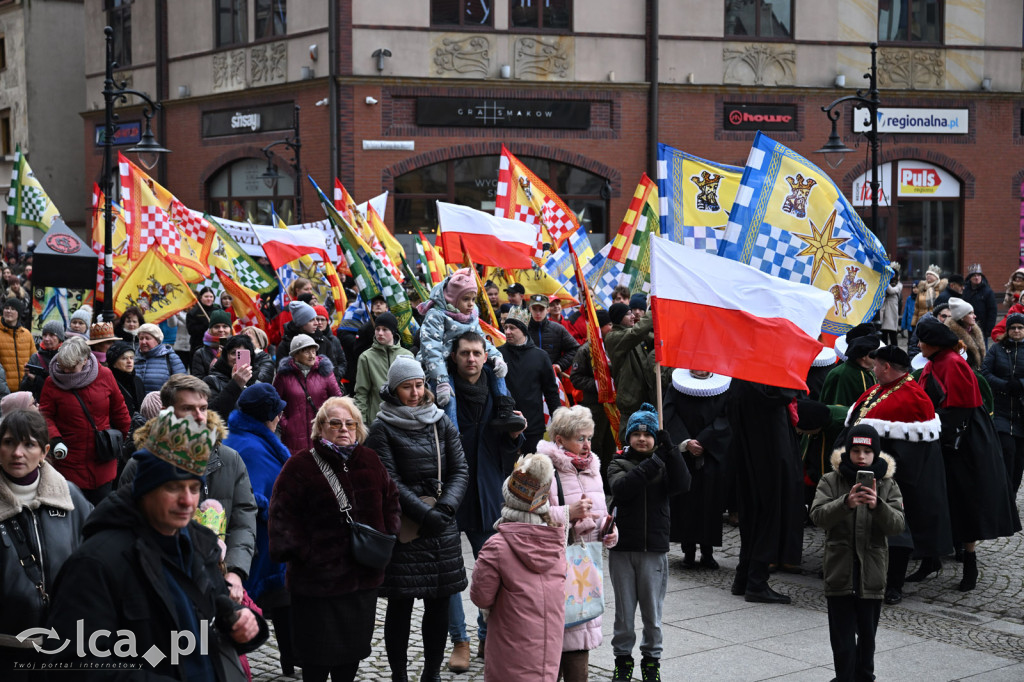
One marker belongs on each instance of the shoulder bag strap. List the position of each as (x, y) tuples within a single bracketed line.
[(86, 410), (561, 495), (309, 398), (332, 480), (28, 559), (437, 443)]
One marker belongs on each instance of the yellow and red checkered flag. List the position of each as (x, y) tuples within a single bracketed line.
[(598, 358), (153, 215), (244, 301), (118, 242), (523, 196)]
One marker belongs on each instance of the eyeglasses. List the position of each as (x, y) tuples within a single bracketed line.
[(349, 424)]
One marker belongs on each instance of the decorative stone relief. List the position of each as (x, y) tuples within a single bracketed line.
[(911, 69), (543, 59), (269, 64), (759, 64), (462, 56), (229, 70)]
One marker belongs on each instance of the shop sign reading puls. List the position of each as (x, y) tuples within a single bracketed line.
[(913, 178), (913, 121)]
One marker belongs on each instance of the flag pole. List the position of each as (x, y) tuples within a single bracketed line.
[(657, 392)]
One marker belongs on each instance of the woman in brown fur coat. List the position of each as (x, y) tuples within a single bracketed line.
[(926, 291), (963, 322)]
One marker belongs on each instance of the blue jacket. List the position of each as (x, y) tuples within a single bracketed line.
[(491, 455), (155, 367), (264, 454)]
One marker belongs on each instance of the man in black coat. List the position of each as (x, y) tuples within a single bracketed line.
[(979, 294), (550, 337), (530, 378), (146, 567)]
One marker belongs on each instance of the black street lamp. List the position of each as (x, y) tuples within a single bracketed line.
[(271, 176), (147, 149), (834, 150)]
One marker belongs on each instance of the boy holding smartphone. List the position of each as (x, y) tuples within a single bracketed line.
[(858, 504)]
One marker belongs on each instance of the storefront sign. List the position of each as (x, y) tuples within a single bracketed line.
[(128, 132), (404, 145), (502, 113), (913, 121), (862, 187), (249, 120), (921, 179), (759, 117)]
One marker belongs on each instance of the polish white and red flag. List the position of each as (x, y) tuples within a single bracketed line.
[(723, 316), (284, 246), (488, 239)]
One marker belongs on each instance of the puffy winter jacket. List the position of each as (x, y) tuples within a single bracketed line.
[(856, 534), (531, 382), (330, 347), (66, 420), (632, 368), (304, 396), (227, 481), (427, 567), (157, 365), (53, 520), (203, 360), (263, 367), (371, 374), (555, 340), (983, 299), (1003, 364), (439, 330), (574, 485), (197, 322), (16, 347)]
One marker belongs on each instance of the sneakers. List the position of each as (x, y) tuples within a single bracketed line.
[(505, 420), (650, 670), (459, 661), (623, 669)]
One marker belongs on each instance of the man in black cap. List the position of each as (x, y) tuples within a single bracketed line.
[(846, 382), (954, 287), (516, 292), (900, 410), (638, 305), (582, 377), (550, 337)]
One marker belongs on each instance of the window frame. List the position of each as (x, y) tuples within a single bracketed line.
[(237, 7), (121, 10), (3, 52), (275, 199), (757, 27), (256, 37), (540, 28), (462, 25), (6, 133), (906, 41)]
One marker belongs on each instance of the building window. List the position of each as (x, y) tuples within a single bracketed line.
[(473, 13), (3, 52), (232, 22), (929, 232), (759, 18), (119, 17), (552, 15), (910, 21), (6, 142), (473, 181), (238, 192), (271, 18)]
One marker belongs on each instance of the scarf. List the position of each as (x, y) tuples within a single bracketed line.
[(212, 342), (449, 310), (405, 417), (474, 393), (343, 451), (581, 462), (849, 472), (70, 381)]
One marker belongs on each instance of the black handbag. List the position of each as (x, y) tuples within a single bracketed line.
[(370, 547), (109, 442)]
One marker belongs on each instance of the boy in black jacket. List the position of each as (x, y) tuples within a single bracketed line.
[(642, 478)]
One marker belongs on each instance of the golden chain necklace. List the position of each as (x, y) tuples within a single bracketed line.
[(868, 404)]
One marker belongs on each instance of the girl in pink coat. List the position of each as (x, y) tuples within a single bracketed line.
[(519, 579), (579, 503)]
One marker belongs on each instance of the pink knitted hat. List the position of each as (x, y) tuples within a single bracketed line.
[(459, 283)]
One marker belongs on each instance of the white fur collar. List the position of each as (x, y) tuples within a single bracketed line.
[(912, 432), (53, 492)]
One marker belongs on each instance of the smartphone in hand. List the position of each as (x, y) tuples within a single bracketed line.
[(866, 478), (242, 357)]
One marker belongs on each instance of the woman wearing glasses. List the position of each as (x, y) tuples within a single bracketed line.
[(333, 597), (577, 499), (422, 452)]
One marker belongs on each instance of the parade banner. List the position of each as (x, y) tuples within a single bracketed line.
[(694, 192), (155, 286), (524, 197), (722, 316), (791, 221), (118, 239), (494, 241), (28, 205), (228, 256)]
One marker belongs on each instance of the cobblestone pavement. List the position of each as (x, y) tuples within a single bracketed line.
[(989, 619)]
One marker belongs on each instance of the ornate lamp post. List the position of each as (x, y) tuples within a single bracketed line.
[(147, 149)]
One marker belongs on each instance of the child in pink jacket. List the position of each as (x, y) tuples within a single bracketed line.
[(519, 579), (577, 499)]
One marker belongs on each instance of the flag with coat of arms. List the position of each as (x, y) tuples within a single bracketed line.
[(790, 220), (522, 196), (28, 205)]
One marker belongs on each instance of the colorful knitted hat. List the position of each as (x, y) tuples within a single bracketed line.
[(530, 483), (644, 419), (182, 442)]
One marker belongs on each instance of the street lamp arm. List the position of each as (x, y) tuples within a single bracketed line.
[(859, 97)]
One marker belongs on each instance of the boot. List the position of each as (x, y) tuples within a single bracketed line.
[(430, 677), (504, 418), (623, 669), (689, 556), (399, 675), (739, 584), (929, 565), (707, 557), (970, 579), (650, 670), (459, 661)]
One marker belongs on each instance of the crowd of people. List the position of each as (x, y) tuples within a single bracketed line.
[(191, 475)]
